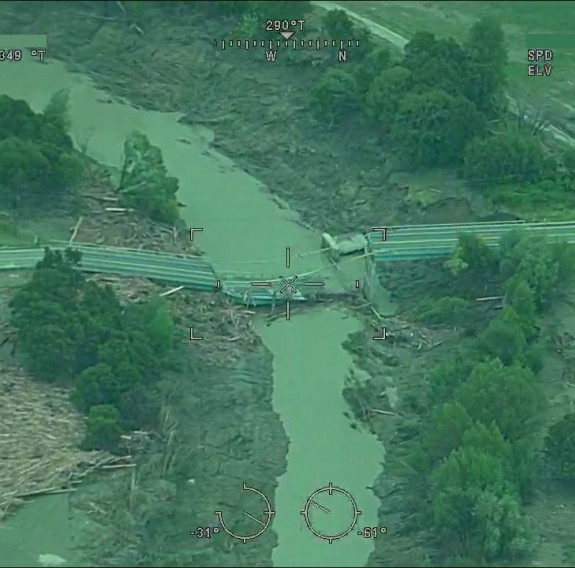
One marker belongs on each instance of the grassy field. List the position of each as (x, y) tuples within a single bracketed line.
[(25, 232), (12, 235), (553, 93)]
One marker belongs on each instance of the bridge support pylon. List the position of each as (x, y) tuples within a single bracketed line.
[(372, 289)]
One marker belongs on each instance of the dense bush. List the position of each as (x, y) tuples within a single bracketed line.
[(441, 104), (505, 156), (471, 464), (560, 446), (432, 101), (37, 161), (111, 355)]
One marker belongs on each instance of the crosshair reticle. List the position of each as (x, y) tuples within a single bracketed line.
[(330, 513), (261, 520), (288, 289)]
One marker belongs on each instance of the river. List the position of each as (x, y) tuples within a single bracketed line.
[(241, 225)]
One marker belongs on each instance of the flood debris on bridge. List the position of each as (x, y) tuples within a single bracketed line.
[(342, 245), (408, 243)]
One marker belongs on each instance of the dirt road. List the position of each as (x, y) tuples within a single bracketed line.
[(398, 41)]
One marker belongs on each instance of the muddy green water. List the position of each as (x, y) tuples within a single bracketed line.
[(242, 226), (44, 526)]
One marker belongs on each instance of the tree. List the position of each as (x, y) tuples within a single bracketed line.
[(516, 459), (510, 248), (504, 530), (488, 439), (474, 510), (44, 307), (560, 446), (483, 86), (337, 24), (110, 354), (58, 108), (418, 49), (118, 354), (335, 95), (376, 61), (97, 385), (449, 374), (539, 269), (103, 429), (473, 265), (103, 319), (431, 129), (18, 120), (503, 157), (37, 160), (486, 79), (509, 396), (30, 172), (443, 66), (504, 337), (144, 183), (23, 171), (279, 9), (51, 359), (155, 321), (543, 266), (445, 433), (521, 299), (486, 41), (386, 95)]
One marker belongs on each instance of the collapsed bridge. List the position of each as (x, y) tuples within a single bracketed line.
[(394, 244)]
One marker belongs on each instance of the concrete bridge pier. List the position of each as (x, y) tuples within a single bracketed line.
[(372, 288)]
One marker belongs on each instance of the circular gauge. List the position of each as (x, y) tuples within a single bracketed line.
[(254, 516), (330, 513)]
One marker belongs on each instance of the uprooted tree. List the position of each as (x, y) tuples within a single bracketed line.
[(144, 183)]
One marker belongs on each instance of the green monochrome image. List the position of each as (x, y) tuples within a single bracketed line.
[(287, 283)]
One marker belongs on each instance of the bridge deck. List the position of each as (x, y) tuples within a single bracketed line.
[(418, 242), (402, 243), (193, 272)]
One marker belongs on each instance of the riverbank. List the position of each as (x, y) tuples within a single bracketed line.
[(268, 134), (41, 429), (218, 430), (395, 416), (198, 438)]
